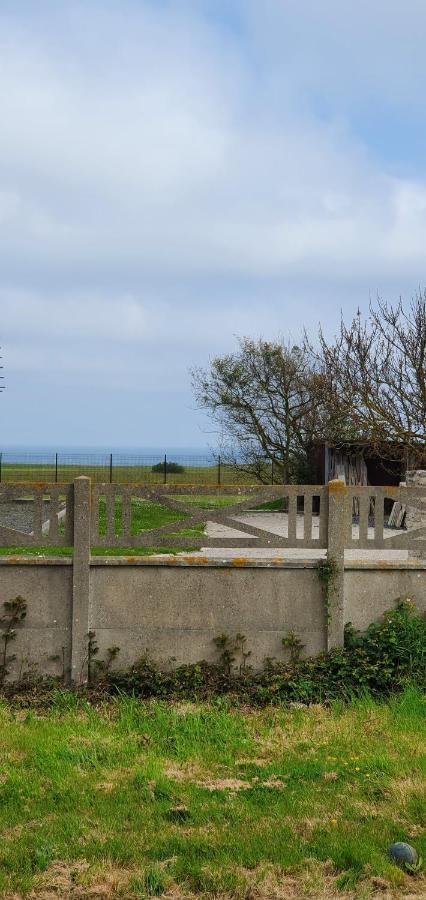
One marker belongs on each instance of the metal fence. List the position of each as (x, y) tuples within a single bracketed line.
[(126, 468)]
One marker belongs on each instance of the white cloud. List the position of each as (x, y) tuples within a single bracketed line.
[(164, 179)]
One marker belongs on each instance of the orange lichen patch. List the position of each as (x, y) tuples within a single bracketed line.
[(194, 560), (239, 561), (336, 486)]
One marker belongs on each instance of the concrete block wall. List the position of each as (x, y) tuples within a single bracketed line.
[(173, 609)]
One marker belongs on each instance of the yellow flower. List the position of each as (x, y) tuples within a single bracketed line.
[(356, 768), (333, 821), (367, 775)]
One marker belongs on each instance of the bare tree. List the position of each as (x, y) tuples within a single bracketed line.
[(376, 370), (265, 398)]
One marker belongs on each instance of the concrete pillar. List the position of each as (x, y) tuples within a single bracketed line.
[(415, 518), (337, 497), (81, 581)]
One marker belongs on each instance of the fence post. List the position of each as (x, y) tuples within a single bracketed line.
[(56, 468), (272, 472), (165, 468), (1, 461), (80, 581), (415, 519), (110, 468), (218, 469), (337, 495)]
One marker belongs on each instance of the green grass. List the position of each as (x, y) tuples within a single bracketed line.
[(135, 799), (193, 474)]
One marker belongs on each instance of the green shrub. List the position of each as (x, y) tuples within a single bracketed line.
[(171, 468), (379, 661)]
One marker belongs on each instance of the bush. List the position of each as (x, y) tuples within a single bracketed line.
[(171, 468), (380, 661)]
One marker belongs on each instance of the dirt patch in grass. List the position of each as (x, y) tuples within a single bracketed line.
[(79, 880)]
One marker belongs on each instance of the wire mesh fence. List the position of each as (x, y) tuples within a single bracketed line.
[(127, 468)]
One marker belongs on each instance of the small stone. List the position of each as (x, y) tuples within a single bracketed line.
[(403, 854)]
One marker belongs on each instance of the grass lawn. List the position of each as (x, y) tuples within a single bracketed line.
[(134, 799)]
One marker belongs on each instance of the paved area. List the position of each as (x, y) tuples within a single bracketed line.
[(277, 523)]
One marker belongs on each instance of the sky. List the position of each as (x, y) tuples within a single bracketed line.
[(175, 173)]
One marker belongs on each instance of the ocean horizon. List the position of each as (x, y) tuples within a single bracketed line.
[(17, 453)]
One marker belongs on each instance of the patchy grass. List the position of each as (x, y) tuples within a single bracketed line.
[(135, 799)]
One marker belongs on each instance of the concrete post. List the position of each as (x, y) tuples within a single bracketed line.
[(415, 518), (337, 496), (81, 581)]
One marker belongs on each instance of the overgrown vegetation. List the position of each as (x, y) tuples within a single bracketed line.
[(380, 660)]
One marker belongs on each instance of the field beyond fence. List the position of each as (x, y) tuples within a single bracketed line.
[(154, 468)]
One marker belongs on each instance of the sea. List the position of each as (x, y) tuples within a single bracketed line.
[(99, 455)]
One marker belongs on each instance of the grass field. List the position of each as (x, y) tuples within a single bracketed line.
[(134, 800), (193, 474)]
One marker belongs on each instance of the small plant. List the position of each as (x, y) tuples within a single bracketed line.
[(293, 643), (240, 647), (103, 666), (92, 651), (15, 612), (226, 649), (229, 648), (98, 668), (327, 571)]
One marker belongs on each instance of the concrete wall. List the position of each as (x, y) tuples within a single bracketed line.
[(46, 631), (370, 591), (177, 612), (176, 609)]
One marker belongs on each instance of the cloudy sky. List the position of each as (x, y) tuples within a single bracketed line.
[(177, 172)]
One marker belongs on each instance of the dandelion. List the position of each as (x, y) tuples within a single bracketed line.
[(356, 768), (333, 821)]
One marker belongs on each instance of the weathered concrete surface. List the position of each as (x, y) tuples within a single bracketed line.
[(46, 631), (175, 606), (370, 592), (177, 612), (81, 581)]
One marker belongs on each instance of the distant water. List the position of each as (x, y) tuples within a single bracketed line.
[(15, 454)]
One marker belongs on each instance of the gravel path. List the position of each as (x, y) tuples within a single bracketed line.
[(18, 515)]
